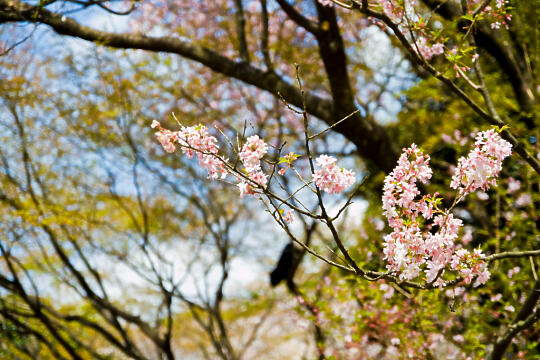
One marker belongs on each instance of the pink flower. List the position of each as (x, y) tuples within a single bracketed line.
[(482, 196), (193, 140), (259, 177), (388, 290), (513, 271), (458, 338), (467, 236), (447, 139), (412, 246), (513, 185), (252, 153), (393, 10), (196, 140), (167, 139), (523, 200), (244, 188), (289, 217), (287, 159), (428, 51), (482, 165), (329, 177)]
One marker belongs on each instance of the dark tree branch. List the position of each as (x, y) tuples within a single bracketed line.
[(332, 53), (298, 18), (241, 31), (264, 37), (525, 318)]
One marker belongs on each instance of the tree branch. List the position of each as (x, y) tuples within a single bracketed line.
[(241, 31), (297, 17), (370, 138), (526, 317)]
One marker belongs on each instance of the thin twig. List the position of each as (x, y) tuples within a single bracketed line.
[(333, 125)]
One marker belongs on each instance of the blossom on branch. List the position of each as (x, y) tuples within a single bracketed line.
[(331, 178), (193, 140), (252, 152), (412, 247), (483, 164), (289, 217)]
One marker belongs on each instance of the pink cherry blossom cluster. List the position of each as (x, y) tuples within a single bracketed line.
[(412, 246), (471, 264), (193, 139), (289, 217), (407, 18), (393, 10), (428, 51), (400, 188), (331, 178), (404, 15), (287, 159), (483, 164), (166, 137), (252, 152), (405, 248), (498, 14)]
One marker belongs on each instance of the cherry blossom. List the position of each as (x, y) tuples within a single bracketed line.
[(513, 185), (413, 247), (483, 164), (167, 139), (428, 51), (331, 178), (289, 217), (523, 200), (196, 139), (193, 140), (252, 152), (288, 159)]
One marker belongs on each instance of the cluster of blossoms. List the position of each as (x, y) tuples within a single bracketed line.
[(287, 159), (193, 139), (409, 249), (252, 152), (427, 51), (289, 217), (498, 14), (483, 164), (365, 326), (469, 264), (331, 178), (405, 248), (404, 14)]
